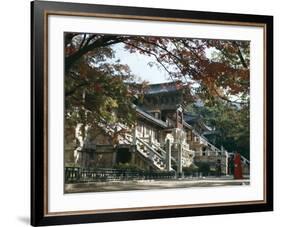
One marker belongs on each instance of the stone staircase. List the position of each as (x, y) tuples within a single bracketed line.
[(151, 151), (217, 151), (212, 154)]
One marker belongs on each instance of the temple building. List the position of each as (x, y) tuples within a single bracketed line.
[(165, 137)]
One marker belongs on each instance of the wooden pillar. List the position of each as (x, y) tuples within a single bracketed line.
[(179, 169), (168, 155)]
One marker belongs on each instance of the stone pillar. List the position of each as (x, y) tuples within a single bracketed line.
[(134, 136), (179, 169), (114, 157), (150, 155), (133, 157), (226, 163), (134, 146), (150, 140), (168, 155)]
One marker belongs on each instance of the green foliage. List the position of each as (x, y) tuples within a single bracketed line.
[(203, 168), (72, 165), (190, 170), (231, 125), (93, 97)]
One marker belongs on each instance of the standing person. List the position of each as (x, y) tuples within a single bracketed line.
[(231, 165), (237, 166)]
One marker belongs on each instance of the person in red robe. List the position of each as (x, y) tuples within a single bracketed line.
[(237, 166)]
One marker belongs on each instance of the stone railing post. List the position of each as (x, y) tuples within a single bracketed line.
[(135, 136), (168, 155), (134, 145), (226, 162), (150, 140), (179, 169)]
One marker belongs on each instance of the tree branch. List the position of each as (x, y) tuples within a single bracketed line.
[(102, 42), (226, 99), (243, 62), (73, 90), (82, 42)]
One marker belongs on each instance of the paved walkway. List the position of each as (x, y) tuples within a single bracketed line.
[(153, 184)]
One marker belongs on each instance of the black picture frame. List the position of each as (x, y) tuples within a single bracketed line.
[(39, 112)]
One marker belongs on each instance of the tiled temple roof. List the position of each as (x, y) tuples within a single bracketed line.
[(151, 118), (164, 87)]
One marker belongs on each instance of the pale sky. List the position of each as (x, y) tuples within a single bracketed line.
[(138, 64)]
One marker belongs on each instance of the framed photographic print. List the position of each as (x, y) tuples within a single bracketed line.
[(141, 113)]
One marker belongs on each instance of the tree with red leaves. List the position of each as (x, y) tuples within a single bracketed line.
[(96, 87)]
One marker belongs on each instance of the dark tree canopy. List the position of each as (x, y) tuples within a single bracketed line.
[(224, 75), (219, 81)]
